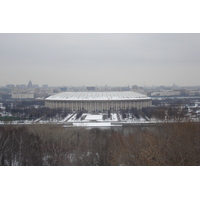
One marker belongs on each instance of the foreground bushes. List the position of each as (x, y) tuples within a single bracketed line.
[(168, 144)]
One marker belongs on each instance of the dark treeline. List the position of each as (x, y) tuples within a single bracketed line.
[(159, 113), (33, 113), (20, 104), (19, 147), (32, 110), (164, 145)]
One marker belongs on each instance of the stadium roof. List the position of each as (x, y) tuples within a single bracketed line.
[(92, 96)]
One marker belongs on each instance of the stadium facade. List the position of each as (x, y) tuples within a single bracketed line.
[(98, 101)]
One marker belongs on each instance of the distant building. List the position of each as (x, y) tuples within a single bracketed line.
[(45, 86), (166, 93), (98, 101), (29, 84), (22, 86), (35, 86), (134, 87), (10, 86), (63, 89), (91, 88), (126, 88), (174, 86), (22, 94), (193, 93)]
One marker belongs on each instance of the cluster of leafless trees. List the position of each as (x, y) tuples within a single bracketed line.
[(19, 147), (32, 113), (159, 113), (172, 144), (168, 144)]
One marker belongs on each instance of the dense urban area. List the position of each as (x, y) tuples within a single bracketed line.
[(25, 104), (167, 133)]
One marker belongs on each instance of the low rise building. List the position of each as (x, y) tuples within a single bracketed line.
[(22, 94), (98, 101)]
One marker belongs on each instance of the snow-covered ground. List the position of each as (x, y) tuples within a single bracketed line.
[(66, 118), (95, 124), (114, 116), (93, 117), (94, 120)]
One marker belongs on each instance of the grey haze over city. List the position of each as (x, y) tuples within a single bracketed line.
[(100, 59)]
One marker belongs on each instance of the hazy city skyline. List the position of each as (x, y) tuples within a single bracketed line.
[(99, 59)]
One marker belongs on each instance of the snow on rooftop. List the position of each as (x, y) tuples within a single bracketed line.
[(78, 96)]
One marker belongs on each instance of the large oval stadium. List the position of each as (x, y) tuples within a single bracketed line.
[(98, 101)]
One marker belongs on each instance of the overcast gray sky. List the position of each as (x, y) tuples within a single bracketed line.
[(99, 59)]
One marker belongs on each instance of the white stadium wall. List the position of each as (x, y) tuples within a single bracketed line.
[(98, 101)]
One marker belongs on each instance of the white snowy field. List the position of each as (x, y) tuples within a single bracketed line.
[(93, 117), (93, 124), (66, 118), (114, 116), (89, 119)]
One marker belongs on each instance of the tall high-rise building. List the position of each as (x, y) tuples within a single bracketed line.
[(29, 84)]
